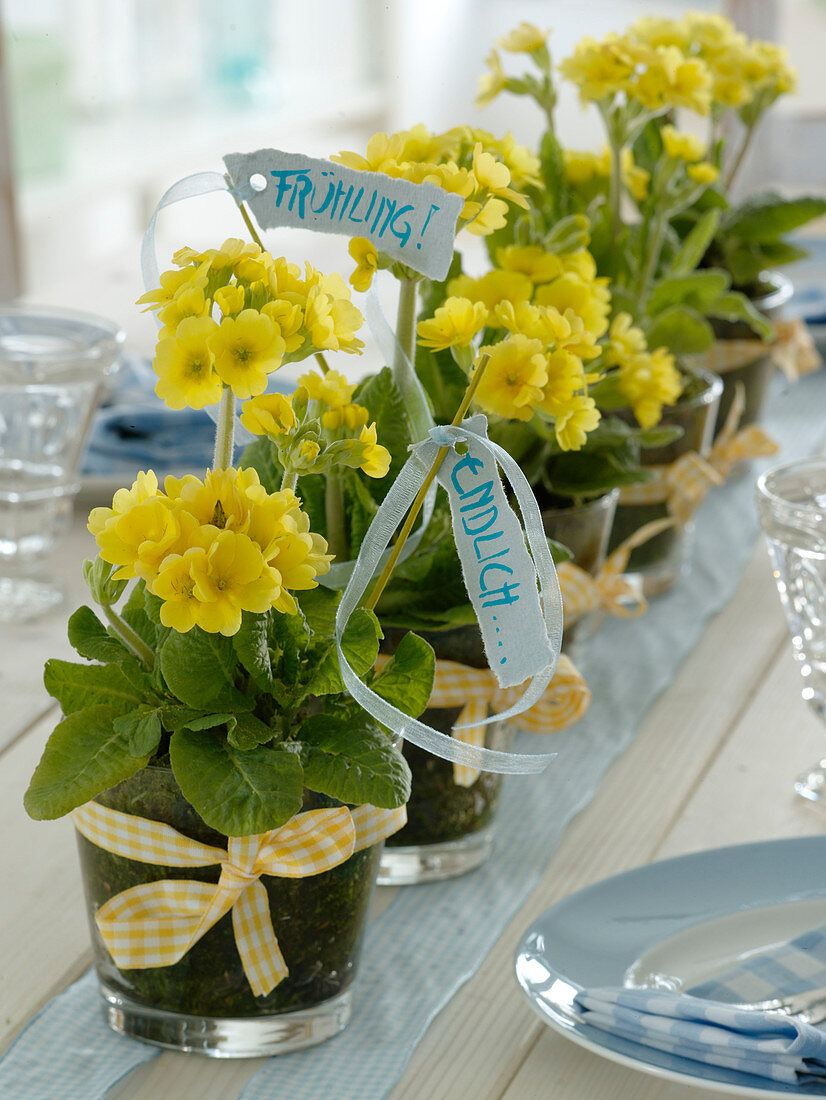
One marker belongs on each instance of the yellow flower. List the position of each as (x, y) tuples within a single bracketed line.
[(139, 539), (375, 459), (188, 302), (532, 260), (144, 487), (230, 578), (565, 378), (543, 323), (172, 282), (625, 341), (511, 386), (704, 172), (299, 556), (269, 414), (581, 167), (524, 39), (589, 301), (523, 164), (348, 416), (648, 381), (454, 324), (247, 348), (708, 32), (184, 364), (493, 287), (230, 300), (681, 145), (331, 388), (382, 151), (580, 263), (492, 216), (175, 585), (308, 452), (288, 318), (367, 261), (572, 425), (332, 322), (600, 69), (656, 31), (636, 179), (490, 83), (674, 80), (494, 176)]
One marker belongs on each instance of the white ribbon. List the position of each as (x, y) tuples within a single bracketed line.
[(387, 519)]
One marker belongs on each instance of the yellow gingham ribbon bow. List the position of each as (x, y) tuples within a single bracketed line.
[(155, 924), (475, 690), (793, 351), (609, 590), (684, 484)]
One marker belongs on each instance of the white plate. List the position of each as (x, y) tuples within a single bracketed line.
[(671, 925)]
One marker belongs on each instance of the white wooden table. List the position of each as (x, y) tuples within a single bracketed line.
[(713, 764)]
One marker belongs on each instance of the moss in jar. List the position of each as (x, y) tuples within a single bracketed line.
[(318, 920), (438, 809)]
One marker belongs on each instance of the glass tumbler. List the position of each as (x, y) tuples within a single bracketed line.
[(791, 500), (52, 368)]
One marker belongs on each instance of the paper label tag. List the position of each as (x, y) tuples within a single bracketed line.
[(499, 573), (412, 222)]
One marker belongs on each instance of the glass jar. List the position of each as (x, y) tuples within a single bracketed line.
[(204, 1002), (450, 828), (659, 562)]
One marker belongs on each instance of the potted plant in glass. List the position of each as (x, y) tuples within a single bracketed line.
[(229, 796), (661, 306), (748, 237), (451, 808)]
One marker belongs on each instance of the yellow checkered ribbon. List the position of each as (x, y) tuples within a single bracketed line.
[(793, 351), (476, 691), (609, 590), (684, 484), (155, 924)]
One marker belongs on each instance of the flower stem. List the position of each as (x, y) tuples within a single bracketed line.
[(652, 258), (334, 515), (289, 480), (738, 160), (418, 501), (322, 362), (129, 637), (225, 431), (615, 184), (405, 325)]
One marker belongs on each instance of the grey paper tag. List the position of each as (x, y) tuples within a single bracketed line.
[(499, 573), (412, 222)]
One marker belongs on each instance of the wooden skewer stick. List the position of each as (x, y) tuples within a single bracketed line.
[(418, 500)]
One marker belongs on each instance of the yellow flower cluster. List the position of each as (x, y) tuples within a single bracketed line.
[(657, 76), (211, 549), (547, 312), (273, 414), (646, 379), (688, 148), (582, 168), (742, 71), (269, 313), (463, 161)]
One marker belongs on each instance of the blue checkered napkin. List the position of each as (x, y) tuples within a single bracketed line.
[(699, 1025)]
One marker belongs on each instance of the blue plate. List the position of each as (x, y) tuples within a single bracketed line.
[(670, 924)]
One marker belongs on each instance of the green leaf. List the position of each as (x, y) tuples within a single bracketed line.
[(84, 756), (552, 169), (697, 290), (141, 728), (252, 648), (767, 217), (360, 508), (207, 721), (246, 731), (777, 253), (92, 640), (262, 457), (406, 680), (198, 669), (135, 615), (360, 645), (236, 792), (319, 606), (737, 307), (682, 330), (77, 686), (353, 762), (696, 243)]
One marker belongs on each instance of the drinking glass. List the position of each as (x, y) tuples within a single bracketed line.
[(791, 500), (53, 363)]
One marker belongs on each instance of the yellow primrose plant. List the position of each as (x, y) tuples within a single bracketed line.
[(215, 653), (634, 193)]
